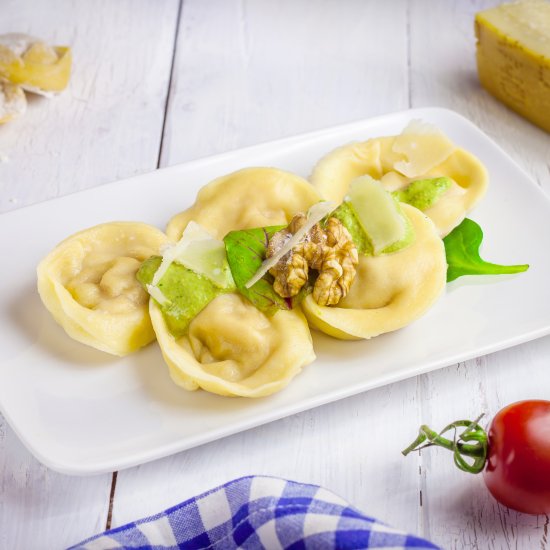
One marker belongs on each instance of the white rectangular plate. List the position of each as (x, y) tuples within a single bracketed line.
[(81, 411)]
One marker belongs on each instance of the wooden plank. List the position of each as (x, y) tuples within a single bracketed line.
[(40, 508), (444, 73), (457, 510), (106, 126), (251, 72), (248, 72), (351, 447)]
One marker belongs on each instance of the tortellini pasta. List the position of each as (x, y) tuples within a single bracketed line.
[(248, 198), (234, 349), (390, 291), (33, 64), (230, 347), (88, 284), (382, 160)]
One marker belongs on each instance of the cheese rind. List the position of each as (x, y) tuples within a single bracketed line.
[(513, 57)]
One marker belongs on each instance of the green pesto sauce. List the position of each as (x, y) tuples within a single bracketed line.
[(423, 194), (188, 293), (346, 214)]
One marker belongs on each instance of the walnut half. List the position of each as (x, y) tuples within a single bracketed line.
[(330, 251)]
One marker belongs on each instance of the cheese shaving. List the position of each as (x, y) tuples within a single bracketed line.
[(423, 146), (156, 293), (378, 213), (314, 215), (193, 232)]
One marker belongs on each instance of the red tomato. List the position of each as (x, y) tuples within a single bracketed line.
[(518, 467)]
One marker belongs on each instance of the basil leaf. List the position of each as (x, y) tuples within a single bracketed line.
[(246, 250), (462, 251)]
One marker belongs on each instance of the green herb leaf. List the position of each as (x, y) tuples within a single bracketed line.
[(423, 194), (462, 251), (187, 293), (246, 251)]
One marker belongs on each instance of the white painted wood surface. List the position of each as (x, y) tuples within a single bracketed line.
[(106, 126), (246, 72)]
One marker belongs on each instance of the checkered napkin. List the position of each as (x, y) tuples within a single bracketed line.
[(257, 512)]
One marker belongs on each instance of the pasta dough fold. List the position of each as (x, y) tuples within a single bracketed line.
[(378, 158), (248, 198), (88, 284), (389, 291), (234, 349)]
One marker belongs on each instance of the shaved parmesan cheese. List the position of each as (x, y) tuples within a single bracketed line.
[(378, 213), (193, 232), (198, 251), (156, 293), (208, 258), (423, 147), (420, 127), (314, 215)]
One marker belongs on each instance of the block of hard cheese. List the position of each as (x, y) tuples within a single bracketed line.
[(513, 57)]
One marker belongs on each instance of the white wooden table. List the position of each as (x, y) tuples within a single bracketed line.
[(160, 82)]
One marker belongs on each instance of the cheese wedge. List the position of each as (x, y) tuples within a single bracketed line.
[(513, 57)]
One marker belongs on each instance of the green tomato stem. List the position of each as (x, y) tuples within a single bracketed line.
[(471, 444)]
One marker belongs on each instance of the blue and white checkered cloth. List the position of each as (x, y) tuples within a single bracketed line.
[(257, 512)]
